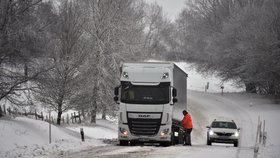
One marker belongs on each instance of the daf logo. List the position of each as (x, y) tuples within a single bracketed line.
[(144, 116)]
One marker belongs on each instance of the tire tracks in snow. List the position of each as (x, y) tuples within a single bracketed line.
[(108, 151), (213, 105)]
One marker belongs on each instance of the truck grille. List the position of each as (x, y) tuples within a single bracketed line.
[(145, 127)]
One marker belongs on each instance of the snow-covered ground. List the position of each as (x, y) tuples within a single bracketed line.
[(197, 81), (26, 138), (23, 137)]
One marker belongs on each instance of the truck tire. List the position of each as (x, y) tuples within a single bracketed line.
[(165, 144), (123, 142), (132, 143), (209, 142)]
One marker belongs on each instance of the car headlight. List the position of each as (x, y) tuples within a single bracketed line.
[(211, 132), (123, 131), (236, 134)]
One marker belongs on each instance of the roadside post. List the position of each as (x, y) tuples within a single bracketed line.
[(206, 86), (82, 134), (222, 87), (50, 128)]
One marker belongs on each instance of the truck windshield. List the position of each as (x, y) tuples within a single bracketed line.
[(159, 94)]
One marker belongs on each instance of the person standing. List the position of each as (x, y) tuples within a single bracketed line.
[(188, 126)]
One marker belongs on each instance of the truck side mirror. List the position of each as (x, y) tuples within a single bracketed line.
[(116, 92), (175, 100), (174, 92)]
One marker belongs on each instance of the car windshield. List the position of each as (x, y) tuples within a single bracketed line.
[(221, 124), (138, 94)]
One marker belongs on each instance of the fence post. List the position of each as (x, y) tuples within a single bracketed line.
[(42, 116), (72, 118), (5, 109), (80, 121), (9, 110), (67, 118), (75, 117), (83, 113), (35, 114), (1, 113), (63, 119)]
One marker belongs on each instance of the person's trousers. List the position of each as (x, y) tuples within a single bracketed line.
[(188, 136)]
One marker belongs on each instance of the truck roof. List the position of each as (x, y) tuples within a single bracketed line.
[(152, 64)]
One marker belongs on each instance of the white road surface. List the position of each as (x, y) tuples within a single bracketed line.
[(205, 107)]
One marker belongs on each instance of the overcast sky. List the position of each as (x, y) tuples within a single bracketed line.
[(171, 7)]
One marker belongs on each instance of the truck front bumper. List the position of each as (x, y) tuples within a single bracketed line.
[(163, 135)]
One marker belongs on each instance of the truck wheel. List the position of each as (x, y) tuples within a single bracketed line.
[(132, 143), (209, 142), (123, 143), (165, 144), (235, 144)]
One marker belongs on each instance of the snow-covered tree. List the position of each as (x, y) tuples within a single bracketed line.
[(114, 32), (22, 45), (67, 53), (236, 39)]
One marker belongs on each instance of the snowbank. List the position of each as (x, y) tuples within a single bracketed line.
[(24, 137)]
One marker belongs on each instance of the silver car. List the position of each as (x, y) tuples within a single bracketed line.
[(223, 132)]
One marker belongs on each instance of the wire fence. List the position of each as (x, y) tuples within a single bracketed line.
[(72, 118)]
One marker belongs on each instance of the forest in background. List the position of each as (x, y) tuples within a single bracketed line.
[(66, 54), (236, 39)]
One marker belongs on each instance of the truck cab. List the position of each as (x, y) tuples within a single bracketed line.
[(147, 97)]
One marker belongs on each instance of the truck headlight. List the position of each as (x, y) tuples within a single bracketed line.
[(125, 74), (123, 131), (211, 132), (165, 75), (164, 132)]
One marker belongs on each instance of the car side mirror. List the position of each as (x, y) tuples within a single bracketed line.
[(175, 100), (238, 129), (116, 91), (174, 92), (208, 127)]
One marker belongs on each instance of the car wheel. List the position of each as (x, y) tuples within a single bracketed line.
[(235, 144)]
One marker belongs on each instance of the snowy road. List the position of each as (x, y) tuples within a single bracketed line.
[(204, 107)]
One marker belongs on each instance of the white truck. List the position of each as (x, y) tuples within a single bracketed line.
[(151, 97)]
